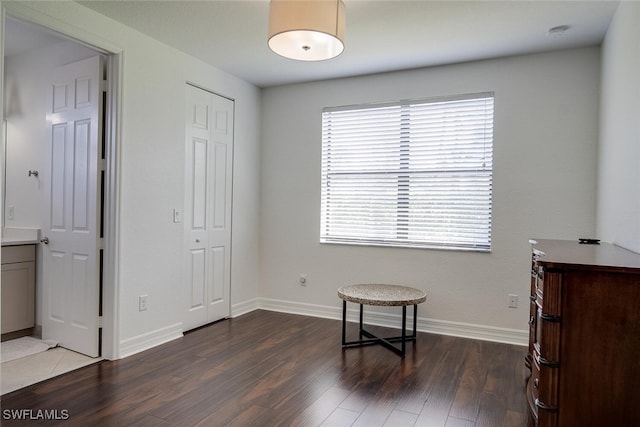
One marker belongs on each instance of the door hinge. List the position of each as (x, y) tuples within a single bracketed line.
[(101, 243), (99, 321), (101, 165), (104, 85)]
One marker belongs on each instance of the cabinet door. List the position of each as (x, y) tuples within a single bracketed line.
[(18, 296)]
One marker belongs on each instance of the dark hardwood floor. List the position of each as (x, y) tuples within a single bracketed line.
[(271, 369)]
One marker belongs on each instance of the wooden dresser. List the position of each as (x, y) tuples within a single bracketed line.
[(584, 337)]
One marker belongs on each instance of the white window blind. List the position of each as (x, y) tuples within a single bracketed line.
[(411, 174)]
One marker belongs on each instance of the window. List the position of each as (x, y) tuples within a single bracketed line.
[(409, 174)]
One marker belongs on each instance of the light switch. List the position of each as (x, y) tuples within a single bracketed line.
[(177, 216)]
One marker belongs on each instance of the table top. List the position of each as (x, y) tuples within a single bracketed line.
[(379, 294)]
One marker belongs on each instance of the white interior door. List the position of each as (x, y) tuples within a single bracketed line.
[(71, 256), (207, 216)]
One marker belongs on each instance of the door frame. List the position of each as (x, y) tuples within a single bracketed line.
[(110, 342)]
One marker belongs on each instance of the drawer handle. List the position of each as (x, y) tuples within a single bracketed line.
[(545, 407), (544, 362), (550, 318), (535, 383), (532, 321)]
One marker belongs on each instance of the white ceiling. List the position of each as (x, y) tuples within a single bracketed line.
[(380, 35)]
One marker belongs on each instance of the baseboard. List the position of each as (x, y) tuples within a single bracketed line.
[(300, 308), (435, 326), (478, 332), (151, 339), (148, 340), (244, 307)]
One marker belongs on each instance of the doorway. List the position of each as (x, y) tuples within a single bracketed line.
[(30, 53)]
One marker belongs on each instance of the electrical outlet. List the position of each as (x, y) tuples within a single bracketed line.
[(303, 280), (10, 213), (513, 301), (142, 302)]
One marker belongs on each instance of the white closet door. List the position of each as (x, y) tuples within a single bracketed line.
[(207, 216)]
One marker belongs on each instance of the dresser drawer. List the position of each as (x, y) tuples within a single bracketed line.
[(586, 335), (546, 392), (535, 382), (18, 253)]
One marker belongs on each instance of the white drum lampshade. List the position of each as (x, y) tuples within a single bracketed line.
[(307, 30)]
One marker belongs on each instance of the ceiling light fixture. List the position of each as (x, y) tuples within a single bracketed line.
[(306, 30)]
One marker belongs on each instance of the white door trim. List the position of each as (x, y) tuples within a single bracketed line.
[(111, 273), (111, 246)]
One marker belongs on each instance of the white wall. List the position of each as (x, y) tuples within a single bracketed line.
[(545, 161), (546, 129), (619, 158), (150, 168), (26, 86)]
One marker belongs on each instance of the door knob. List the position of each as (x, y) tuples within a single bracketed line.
[(45, 240)]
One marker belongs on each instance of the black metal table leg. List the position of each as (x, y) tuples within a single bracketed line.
[(374, 339), (361, 321), (344, 323), (404, 328)]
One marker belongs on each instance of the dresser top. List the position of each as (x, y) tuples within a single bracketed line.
[(571, 254)]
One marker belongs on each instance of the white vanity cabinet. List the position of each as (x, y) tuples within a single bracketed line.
[(18, 287)]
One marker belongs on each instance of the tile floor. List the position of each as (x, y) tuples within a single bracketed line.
[(29, 370)]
